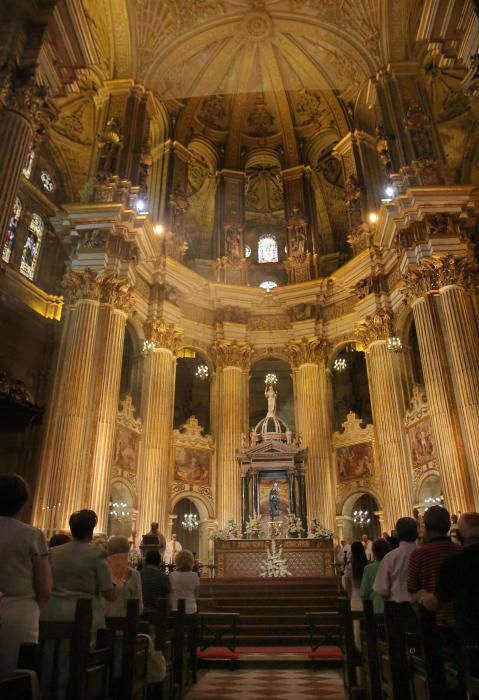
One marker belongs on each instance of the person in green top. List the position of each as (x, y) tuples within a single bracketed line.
[(380, 549)]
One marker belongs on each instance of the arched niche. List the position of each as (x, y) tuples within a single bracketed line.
[(192, 388), (350, 387), (429, 487), (284, 388), (361, 501), (123, 503), (130, 382), (197, 540)]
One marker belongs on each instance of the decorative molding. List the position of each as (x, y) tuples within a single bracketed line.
[(105, 288), (354, 432), (418, 406), (378, 327), (191, 435), (126, 416), (431, 274), (232, 353), (307, 351), (163, 334)]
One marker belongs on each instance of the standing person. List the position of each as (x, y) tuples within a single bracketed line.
[(380, 548), (172, 550), (155, 584), (80, 570), (126, 580), (368, 547), (153, 539), (353, 574), (25, 576), (454, 530), (391, 578), (425, 561), (185, 585)]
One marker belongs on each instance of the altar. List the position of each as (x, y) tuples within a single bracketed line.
[(243, 558)]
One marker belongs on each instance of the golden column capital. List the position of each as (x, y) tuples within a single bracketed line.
[(232, 353), (106, 288), (306, 351), (162, 334), (432, 274), (377, 327)]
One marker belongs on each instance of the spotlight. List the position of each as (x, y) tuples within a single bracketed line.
[(373, 217), (140, 206), (389, 191), (158, 229)]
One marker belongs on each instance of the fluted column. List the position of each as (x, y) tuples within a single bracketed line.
[(307, 356), (447, 278), (233, 359), (66, 450), (462, 349), (108, 383), (388, 413), (442, 411), (158, 395)]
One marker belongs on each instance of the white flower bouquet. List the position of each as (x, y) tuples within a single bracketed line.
[(318, 531), (274, 566), (294, 526), (253, 527)]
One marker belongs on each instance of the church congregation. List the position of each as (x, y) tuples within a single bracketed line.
[(239, 357)]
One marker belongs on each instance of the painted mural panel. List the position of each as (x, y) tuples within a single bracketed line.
[(354, 461), (421, 443), (192, 465), (126, 450)]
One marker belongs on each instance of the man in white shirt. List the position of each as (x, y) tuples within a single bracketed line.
[(172, 549), (368, 547), (391, 578)]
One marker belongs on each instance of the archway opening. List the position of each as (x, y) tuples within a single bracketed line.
[(358, 509), (196, 538), (192, 389), (429, 492), (350, 387), (122, 512)]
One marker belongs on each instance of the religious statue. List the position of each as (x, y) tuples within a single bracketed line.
[(271, 395), (274, 499)]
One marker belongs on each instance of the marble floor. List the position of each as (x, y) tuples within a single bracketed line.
[(255, 684)]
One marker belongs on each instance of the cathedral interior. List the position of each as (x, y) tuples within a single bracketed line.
[(199, 195)]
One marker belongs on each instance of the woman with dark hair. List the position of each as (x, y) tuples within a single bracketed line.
[(80, 570), (353, 574), (25, 576), (380, 549)]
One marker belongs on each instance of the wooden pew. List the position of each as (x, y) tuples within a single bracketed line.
[(182, 660), (351, 654), (217, 636), (87, 677), (401, 640), (372, 633), (325, 631), (129, 658)]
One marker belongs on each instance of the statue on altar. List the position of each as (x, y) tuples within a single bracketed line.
[(274, 499), (271, 395)]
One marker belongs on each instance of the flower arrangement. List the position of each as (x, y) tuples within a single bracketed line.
[(274, 566), (275, 529), (294, 526), (231, 531), (317, 530), (253, 527)]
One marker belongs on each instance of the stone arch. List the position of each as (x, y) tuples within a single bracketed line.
[(203, 504)]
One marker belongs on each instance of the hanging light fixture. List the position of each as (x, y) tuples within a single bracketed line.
[(340, 364), (361, 518), (202, 372), (119, 510), (394, 344), (190, 522), (432, 501), (271, 378), (148, 346)]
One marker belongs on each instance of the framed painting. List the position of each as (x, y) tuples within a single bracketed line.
[(265, 486), (421, 442), (126, 450), (354, 461), (192, 465)]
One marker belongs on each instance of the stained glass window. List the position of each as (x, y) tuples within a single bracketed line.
[(47, 181), (27, 168), (12, 231), (32, 247), (268, 284), (267, 249)]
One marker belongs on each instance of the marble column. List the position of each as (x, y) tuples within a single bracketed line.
[(442, 411), (63, 469), (388, 416), (307, 356), (462, 349), (233, 359), (158, 395), (292, 490), (115, 312)]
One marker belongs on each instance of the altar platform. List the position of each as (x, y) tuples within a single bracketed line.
[(243, 558)]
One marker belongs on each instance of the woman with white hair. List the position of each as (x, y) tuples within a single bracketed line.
[(126, 580)]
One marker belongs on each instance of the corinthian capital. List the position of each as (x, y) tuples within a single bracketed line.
[(232, 353), (307, 351), (379, 326), (116, 291), (162, 334), (81, 284), (431, 274)]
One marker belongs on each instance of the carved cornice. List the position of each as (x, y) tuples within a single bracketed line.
[(431, 274), (307, 351), (107, 289), (232, 353), (374, 328), (163, 334)]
